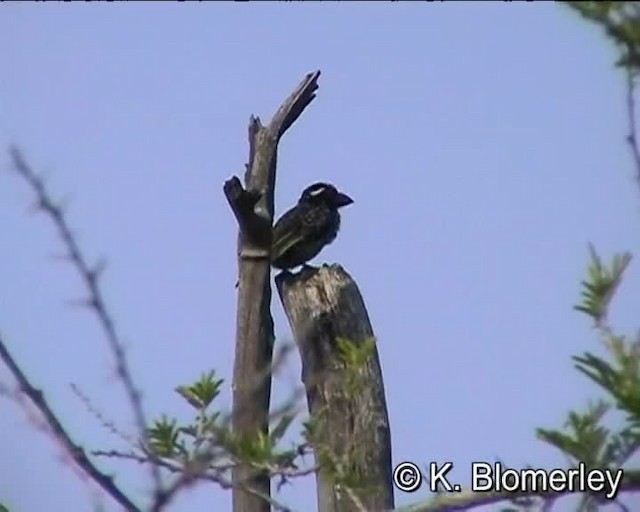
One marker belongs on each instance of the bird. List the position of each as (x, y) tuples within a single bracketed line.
[(304, 230)]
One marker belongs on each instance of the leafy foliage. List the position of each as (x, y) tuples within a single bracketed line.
[(209, 437), (585, 439), (354, 356), (601, 284), (210, 441), (621, 22), (202, 392)]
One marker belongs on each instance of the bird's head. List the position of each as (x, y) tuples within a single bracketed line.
[(324, 193)]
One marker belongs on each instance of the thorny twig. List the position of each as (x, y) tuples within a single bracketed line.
[(108, 424), (90, 277), (75, 452)]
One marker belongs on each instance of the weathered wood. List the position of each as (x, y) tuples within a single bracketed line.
[(253, 209), (324, 305)]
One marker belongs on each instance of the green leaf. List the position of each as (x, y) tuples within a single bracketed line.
[(281, 428), (201, 393), (620, 22), (355, 354), (163, 438), (585, 439), (601, 285)]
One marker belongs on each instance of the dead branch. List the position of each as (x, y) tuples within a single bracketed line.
[(253, 208), (75, 452), (324, 305)]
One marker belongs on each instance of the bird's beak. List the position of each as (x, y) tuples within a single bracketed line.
[(342, 200)]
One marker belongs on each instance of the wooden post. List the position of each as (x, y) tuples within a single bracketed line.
[(324, 305)]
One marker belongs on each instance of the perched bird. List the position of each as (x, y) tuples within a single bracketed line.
[(302, 232)]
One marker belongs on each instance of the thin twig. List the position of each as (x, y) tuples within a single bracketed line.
[(90, 277), (632, 137), (108, 424), (211, 473), (75, 452), (197, 471)]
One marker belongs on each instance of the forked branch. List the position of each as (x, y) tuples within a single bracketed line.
[(253, 208)]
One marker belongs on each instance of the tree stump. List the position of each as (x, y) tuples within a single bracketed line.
[(324, 305)]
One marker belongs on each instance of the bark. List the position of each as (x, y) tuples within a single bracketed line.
[(253, 209), (324, 305)]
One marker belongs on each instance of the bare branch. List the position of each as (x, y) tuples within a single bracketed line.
[(188, 476), (192, 472), (253, 208), (294, 105), (196, 472), (632, 137), (213, 474), (75, 452), (242, 203), (90, 277)]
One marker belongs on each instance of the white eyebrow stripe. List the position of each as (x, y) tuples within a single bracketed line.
[(318, 191)]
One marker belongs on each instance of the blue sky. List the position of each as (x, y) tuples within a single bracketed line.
[(483, 145)]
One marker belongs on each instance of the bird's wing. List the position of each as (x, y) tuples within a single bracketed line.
[(286, 233)]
